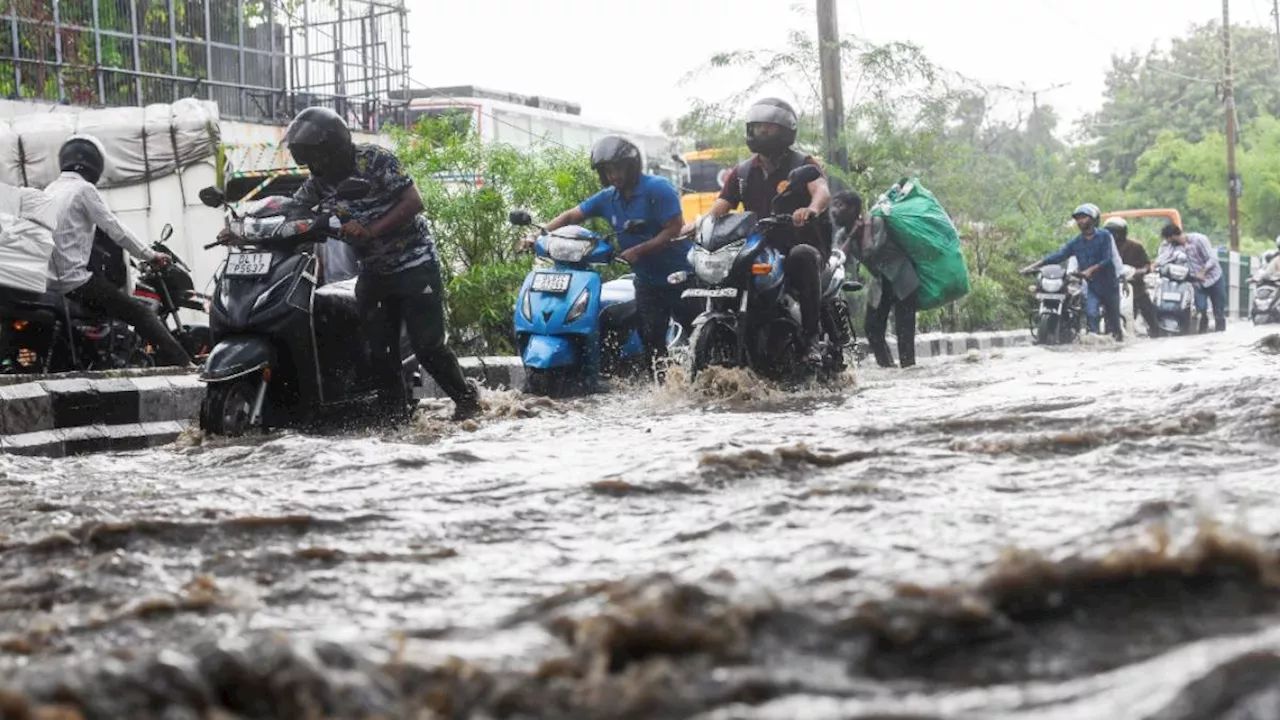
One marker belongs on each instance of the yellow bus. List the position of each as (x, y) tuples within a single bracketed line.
[(706, 172)]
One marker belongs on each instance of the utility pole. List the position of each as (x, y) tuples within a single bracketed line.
[(1275, 13), (1229, 100), (832, 93)]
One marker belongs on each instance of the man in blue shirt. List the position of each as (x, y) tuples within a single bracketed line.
[(1094, 250), (653, 253)]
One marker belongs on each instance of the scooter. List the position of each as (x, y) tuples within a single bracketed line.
[(751, 317), (50, 333), (1173, 294), (1266, 294), (566, 312), (287, 350)]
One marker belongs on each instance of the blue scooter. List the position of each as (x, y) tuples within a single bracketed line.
[(565, 314)]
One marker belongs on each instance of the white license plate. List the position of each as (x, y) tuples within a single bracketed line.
[(551, 282), (248, 264), (1172, 297), (710, 293), (1051, 296)]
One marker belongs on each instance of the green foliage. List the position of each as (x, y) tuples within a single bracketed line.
[(469, 188)]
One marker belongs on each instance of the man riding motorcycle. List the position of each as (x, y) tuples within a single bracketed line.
[(653, 253), (1094, 249), (400, 277), (1135, 256), (771, 131), (81, 209)]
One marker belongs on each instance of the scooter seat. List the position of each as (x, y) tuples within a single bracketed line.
[(337, 299), (618, 314)]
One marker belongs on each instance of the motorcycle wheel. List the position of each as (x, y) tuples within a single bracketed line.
[(712, 344), (227, 407), (1047, 330)]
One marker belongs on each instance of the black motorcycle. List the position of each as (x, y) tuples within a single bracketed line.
[(169, 289), (50, 333), (1059, 306), (288, 350), (752, 318)]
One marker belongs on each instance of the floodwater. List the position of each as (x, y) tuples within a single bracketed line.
[(1088, 532)]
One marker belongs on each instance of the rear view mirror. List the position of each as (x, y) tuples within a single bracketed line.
[(520, 218), (166, 233), (803, 175), (212, 197), (353, 189)]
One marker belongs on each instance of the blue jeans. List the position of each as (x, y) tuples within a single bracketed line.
[(1095, 301), (1216, 292)]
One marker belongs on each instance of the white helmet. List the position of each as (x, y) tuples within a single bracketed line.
[(1116, 222)]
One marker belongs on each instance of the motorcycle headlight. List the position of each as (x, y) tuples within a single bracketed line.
[(1051, 285), (714, 267), (1178, 272), (568, 249), (579, 306), (526, 307)]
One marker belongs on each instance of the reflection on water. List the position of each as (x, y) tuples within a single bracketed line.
[(1079, 532)]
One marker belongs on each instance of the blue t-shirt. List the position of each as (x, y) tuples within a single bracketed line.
[(655, 201)]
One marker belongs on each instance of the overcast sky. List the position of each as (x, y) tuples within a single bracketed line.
[(623, 61)]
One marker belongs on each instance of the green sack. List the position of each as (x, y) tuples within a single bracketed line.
[(920, 226)]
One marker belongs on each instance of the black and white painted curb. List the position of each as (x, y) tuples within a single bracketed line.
[(95, 412), (92, 414)]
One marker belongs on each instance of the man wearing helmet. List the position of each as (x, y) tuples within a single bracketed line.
[(1135, 256), (1094, 249), (400, 277), (1204, 267), (771, 131), (81, 210), (653, 252)]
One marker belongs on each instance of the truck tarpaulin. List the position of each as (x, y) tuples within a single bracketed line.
[(141, 143)]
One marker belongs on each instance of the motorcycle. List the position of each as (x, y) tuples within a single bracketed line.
[(751, 317), (1059, 296), (1173, 294), (561, 311), (50, 333), (169, 289), (270, 365)]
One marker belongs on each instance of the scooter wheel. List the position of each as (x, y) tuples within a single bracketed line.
[(227, 408)]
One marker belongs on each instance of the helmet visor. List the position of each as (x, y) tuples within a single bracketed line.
[(771, 114)]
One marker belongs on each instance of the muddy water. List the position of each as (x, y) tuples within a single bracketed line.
[(1088, 532)]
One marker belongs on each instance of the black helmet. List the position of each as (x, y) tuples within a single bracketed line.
[(319, 139), (83, 154), (776, 112), (615, 150)]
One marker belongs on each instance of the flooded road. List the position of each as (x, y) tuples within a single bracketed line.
[(1088, 532)]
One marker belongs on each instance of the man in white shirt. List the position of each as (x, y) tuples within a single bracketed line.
[(80, 209)]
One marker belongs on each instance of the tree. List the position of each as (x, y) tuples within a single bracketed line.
[(1179, 90)]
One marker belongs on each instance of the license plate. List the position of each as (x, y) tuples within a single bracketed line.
[(248, 264), (710, 293), (1172, 297), (1051, 296), (551, 282)]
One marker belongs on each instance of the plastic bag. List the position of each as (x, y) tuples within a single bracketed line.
[(920, 226), (27, 222)]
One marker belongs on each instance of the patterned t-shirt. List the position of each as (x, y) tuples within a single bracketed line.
[(401, 248)]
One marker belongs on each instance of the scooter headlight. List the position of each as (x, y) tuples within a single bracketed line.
[(714, 267), (1051, 285), (1177, 272), (526, 307), (570, 250), (579, 306), (254, 228)]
